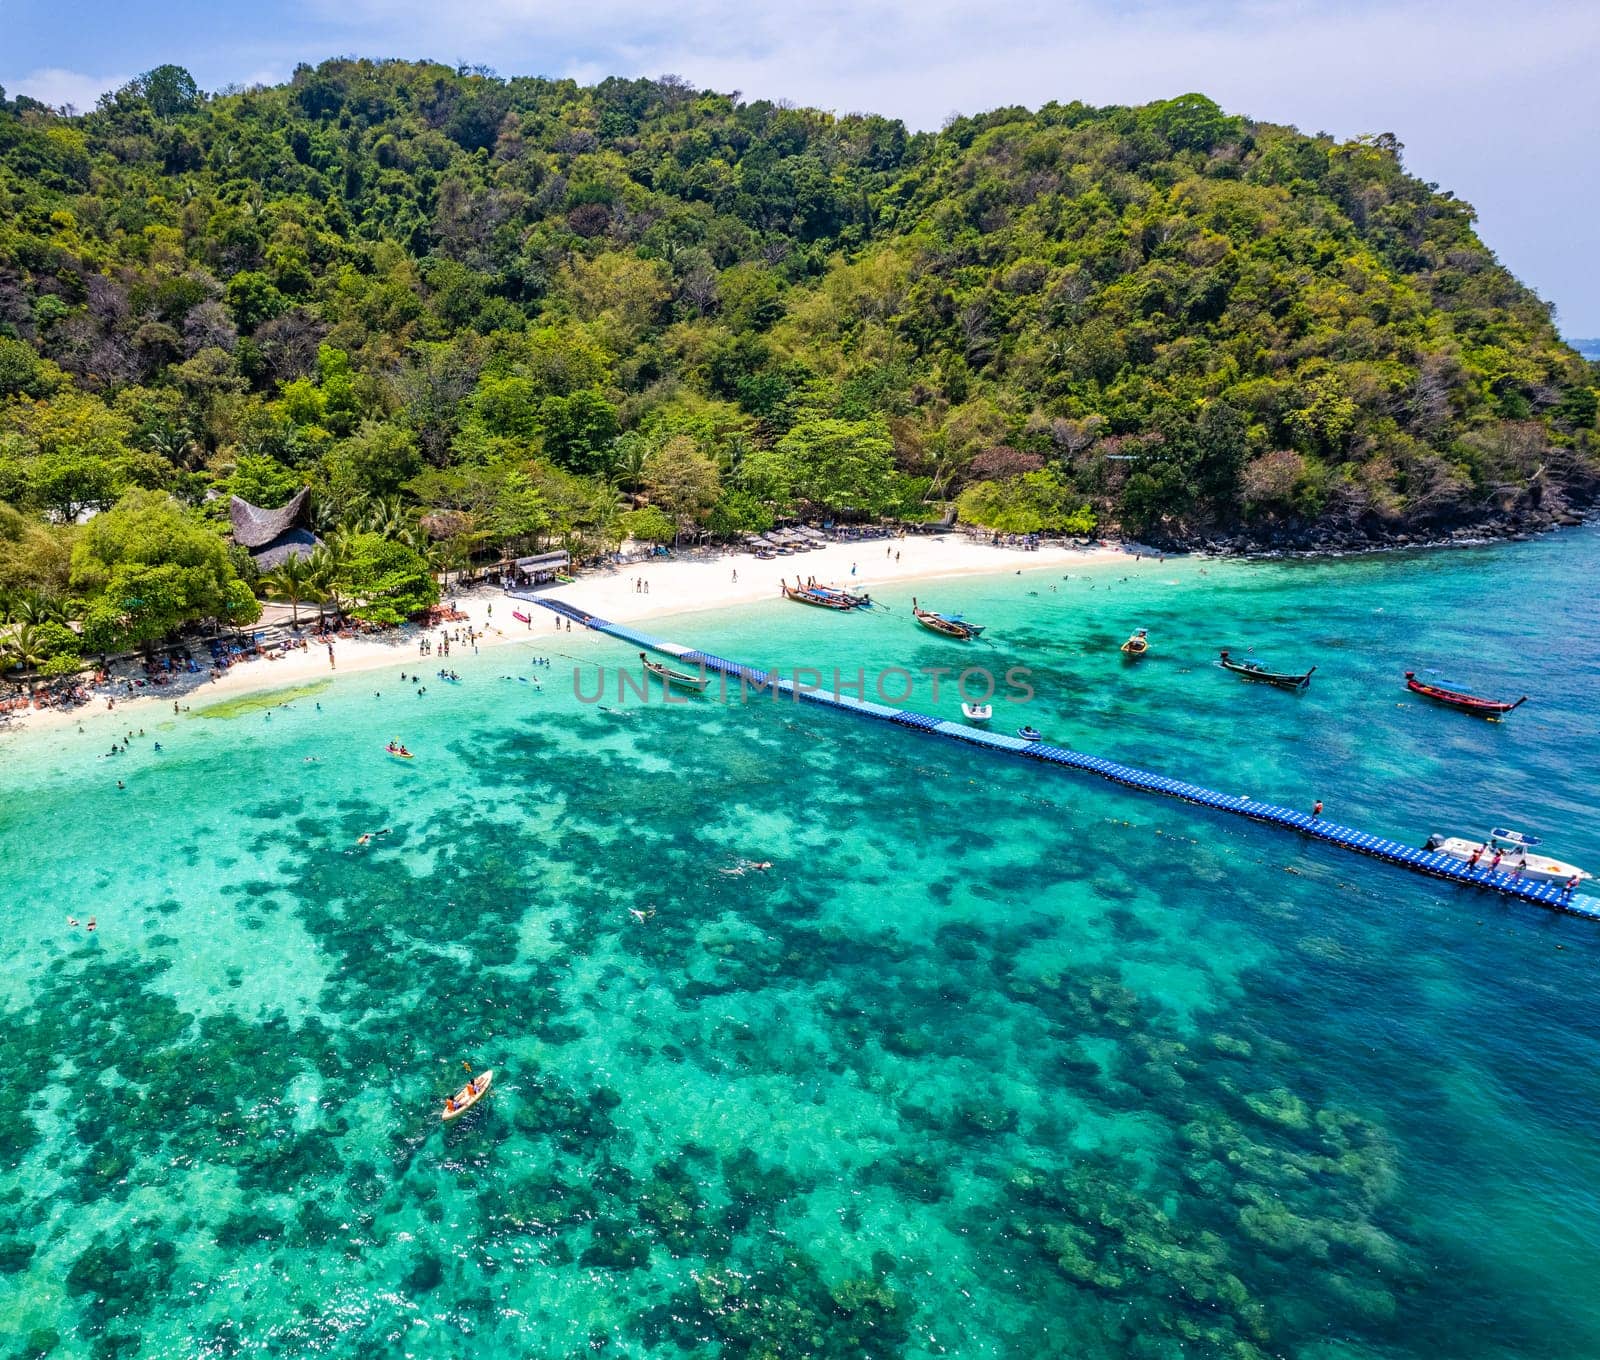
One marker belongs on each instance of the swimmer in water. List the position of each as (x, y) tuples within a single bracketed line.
[(641, 916), (90, 925), (364, 838)]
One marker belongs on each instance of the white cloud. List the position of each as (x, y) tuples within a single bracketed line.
[(57, 87)]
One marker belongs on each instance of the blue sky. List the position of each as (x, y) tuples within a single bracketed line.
[(1499, 103)]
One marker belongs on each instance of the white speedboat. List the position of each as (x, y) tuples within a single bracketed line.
[(1509, 852), (978, 713)]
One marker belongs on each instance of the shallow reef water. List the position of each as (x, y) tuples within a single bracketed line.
[(992, 1061)]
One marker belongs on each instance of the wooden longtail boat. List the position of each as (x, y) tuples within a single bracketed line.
[(1455, 698), (862, 601), (806, 595), (1252, 670), (1136, 646), (953, 626), (682, 679)]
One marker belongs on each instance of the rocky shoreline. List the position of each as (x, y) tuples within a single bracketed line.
[(1324, 540)]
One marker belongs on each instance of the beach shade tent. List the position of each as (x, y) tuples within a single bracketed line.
[(272, 537)]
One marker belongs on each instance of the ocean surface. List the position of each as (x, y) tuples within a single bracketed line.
[(994, 1060)]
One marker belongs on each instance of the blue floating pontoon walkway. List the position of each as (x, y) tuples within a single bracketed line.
[(1553, 896)]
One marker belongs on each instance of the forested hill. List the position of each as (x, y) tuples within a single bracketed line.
[(526, 309)]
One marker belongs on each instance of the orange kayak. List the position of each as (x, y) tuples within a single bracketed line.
[(468, 1096)]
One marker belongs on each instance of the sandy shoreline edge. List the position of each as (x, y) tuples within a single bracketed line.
[(676, 586)]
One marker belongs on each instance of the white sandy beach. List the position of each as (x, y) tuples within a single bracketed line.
[(677, 585)]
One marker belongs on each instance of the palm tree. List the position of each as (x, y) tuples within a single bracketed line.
[(175, 444), (446, 556), (21, 648), (327, 565), (294, 579), (627, 469), (32, 606), (392, 520)]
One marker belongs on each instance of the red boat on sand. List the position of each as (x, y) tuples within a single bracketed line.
[(1455, 698)]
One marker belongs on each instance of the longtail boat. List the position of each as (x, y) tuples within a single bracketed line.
[(948, 625), (1253, 670), (1136, 646), (682, 679), (1455, 698), (861, 601), (807, 595)]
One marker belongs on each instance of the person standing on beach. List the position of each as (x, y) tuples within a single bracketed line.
[(332, 664), (736, 576)]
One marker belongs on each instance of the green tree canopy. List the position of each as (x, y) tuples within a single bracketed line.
[(835, 465), (150, 567), (386, 581)]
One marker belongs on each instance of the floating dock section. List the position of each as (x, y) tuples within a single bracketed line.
[(1553, 896)]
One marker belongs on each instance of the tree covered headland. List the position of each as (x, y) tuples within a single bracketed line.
[(475, 313)]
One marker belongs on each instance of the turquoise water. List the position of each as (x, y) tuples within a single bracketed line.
[(994, 1061)]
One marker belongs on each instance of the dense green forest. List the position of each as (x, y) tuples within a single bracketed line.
[(477, 314)]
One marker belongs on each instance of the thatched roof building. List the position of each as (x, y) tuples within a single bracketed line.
[(273, 536)]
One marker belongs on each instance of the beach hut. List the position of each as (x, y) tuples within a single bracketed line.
[(272, 537)]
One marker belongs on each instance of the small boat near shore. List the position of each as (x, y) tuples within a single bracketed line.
[(1253, 670), (398, 749), (849, 597), (821, 599), (977, 713), (1451, 697), (682, 679), (1509, 852), (1030, 734), (946, 625), (520, 617), (1136, 646), (468, 1096)]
